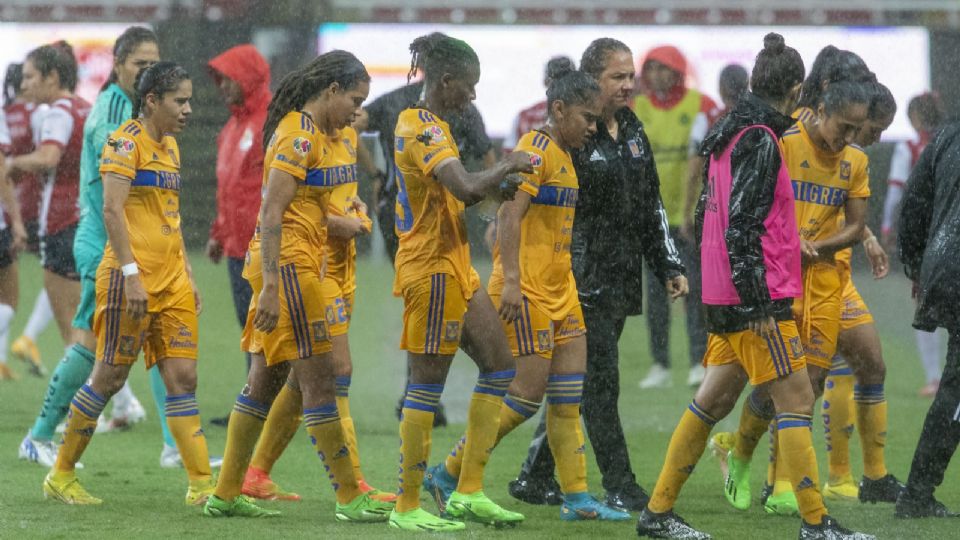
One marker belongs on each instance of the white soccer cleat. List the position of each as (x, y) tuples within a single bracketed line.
[(40, 452), (123, 417), (695, 377), (657, 377), (170, 458)]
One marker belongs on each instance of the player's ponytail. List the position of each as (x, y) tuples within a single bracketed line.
[(157, 79), (777, 69), (833, 65), (123, 47), (438, 53)]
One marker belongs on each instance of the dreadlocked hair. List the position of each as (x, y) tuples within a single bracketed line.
[(56, 57), (129, 40), (306, 83), (833, 65), (438, 53), (157, 79), (11, 82)]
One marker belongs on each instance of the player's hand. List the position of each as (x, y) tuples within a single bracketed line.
[(214, 250), (19, 233), (268, 310), (361, 120), (518, 162), (765, 328), (136, 297), (808, 252), (507, 189), (879, 263), (677, 287), (359, 208), (511, 301)]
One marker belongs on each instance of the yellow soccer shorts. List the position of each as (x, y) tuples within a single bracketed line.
[(853, 310), (302, 330), (337, 306), (818, 313), (762, 359), (433, 312), (536, 332), (168, 330)]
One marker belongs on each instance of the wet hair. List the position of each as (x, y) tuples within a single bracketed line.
[(572, 87), (594, 59), (882, 104), (558, 66), (833, 65), (11, 82), (777, 69), (734, 81), (928, 110), (438, 53), (56, 57), (157, 79), (129, 40), (302, 85), (841, 94)]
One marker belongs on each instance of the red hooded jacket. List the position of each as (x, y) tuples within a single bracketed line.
[(240, 149)]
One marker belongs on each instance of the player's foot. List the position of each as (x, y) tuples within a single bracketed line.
[(363, 509), (532, 491), (829, 529), (37, 451), (65, 487), (583, 506), (720, 446), (199, 491), (440, 485), (26, 350), (376, 494), (7, 374), (657, 377), (479, 508), (695, 377), (885, 489), (257, 484), (930, 389), (170, 458), (241, 506), (420, 520), (630, 498), (911, 507), (736, 486), (667, 525), (842, 489), (782, 504)]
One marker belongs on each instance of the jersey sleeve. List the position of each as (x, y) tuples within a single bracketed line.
[(294, 152), (56, 127), (430, 145), (900, 164), (538, 158), (860, 178), (121, 155)]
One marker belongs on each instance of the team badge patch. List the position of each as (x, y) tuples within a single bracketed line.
[(845, 170), (319, 329), (795, 347), (634, 148), (536, 160), (544, 340), (451, 331), (123, 146), (431, 134), (301, 146), (127, 346)]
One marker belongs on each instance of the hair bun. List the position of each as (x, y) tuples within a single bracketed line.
[(559, 66), (773, 43)]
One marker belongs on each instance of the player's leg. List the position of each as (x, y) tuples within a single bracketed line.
[(9, 294), (837, 413), (928, 345), (658, 324), (25, 347), (61, 280)]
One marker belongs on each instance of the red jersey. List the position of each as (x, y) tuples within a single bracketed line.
[(62, 125), (529, 119), (22, 117)]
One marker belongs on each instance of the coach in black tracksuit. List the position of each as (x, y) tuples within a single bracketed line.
[(929, 243), (619, 221)]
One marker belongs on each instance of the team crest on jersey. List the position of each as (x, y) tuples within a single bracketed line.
[(796, 347), (301, 146), (122, 146), (451, 331), (634, 148), (845, 170), (349, 147)]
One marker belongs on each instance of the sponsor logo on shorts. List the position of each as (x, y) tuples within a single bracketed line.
[(796, 347), (452, 331), (319, 330), (128, 345), (183, 339)]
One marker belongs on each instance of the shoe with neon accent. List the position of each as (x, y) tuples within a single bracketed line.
[(583, 506), (66, 489), (363, 509), (885, 489), (720, 446), (440, 485), (420, 520), (26, 350), (667, 525), (841, 489), (782, 504), (241, 506), (376, 494), (736, 487), (7, 374), (829, 529), (258, 485), (199, 491), (478, 508)]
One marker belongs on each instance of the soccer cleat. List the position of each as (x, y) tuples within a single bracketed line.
[(26, 350), (199, 491), (440, 485), (40, 452), (631, 497), (782, 504), (657, 377), (240, 507), (420, 520), (583, 506), (841, 489), (531, 491), (170, 458), (829, 529), (695, 377), (376, 494), (7, 374), (885, 489), (66, 489), (909, 507), (258, 485), (736, 486), (765, 493), (479, 508), (720, 446), (667, 525), (363, 509)]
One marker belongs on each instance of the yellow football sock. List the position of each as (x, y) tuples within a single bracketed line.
[(754, 422), (837, 421), (872, 424), (686, 446), (81, 424), (183, 419), (416, 427), (564, 433), (346, 422), (483, 426), (326, 435), (800, 461), (279, 429), (245, 426), (513, 412)]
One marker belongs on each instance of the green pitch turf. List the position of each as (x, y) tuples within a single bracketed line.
[(143, 501)]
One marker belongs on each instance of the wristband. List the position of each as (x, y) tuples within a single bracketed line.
[(130, 269)]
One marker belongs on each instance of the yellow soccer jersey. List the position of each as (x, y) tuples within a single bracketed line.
[(822, 182), (152, 209), (341, 255), (298, 149), (429, 223), (546, 275)]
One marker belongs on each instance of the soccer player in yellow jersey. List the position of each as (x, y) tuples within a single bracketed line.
[(146, 298), (287, 331), (444, 305)]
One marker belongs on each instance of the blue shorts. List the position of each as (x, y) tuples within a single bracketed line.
[(87, 258)]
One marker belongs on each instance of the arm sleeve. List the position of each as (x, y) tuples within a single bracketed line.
[(915, 213), (57, 127), (658, 247), (532, 181), (860, 178)]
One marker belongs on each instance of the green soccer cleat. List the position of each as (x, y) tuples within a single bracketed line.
[(363, 509), (736, 486), (420, 520), (241, 506), (782, 504), (479, 508)]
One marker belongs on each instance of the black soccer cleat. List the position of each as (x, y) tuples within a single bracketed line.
[(829, 529), (885, 489), (630, 499), (909, 507), (667, 525), (531, 491)]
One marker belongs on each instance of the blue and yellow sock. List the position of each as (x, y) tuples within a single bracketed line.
[(483, 426), (279, 429), (72, 371), (837, 419), (800, 462), (245, 426), (85, 408), (687, 444), (416, 428), (159, 391), (183, 417), (564, 433), (513, 412), (346, 421), (871, 408), (326, 436)]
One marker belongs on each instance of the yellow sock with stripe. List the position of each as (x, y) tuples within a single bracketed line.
[(687, 444), (279, 429), (564, 433), (800, 461), (872, 424), (416, 426), (245, 426), (85, 408), (754, 422), (513, 412), (183, 419), (483, 426), (838, 419), (346, 422), (772, 463), (326, 436)]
